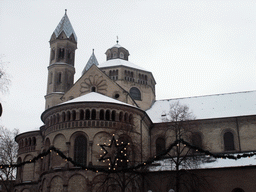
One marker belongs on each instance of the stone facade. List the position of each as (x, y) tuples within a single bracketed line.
[(112, 99)]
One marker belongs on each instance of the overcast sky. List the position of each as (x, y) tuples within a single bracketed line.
[(192, 47)]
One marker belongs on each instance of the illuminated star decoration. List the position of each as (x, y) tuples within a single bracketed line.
[(113, 153)]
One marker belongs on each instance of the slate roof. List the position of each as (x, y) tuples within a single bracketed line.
[(91, 61), (210, 106), (65, 26)]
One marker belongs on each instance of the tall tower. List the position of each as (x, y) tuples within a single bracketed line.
[(63, 44)]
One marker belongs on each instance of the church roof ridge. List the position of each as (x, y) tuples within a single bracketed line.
[(198, 96), (92, 61), (65, 26)]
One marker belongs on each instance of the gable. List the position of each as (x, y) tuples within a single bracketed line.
[(94, 80)]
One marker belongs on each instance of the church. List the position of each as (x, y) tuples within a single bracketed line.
[(113, 105)]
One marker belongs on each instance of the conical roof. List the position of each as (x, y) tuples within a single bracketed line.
[(65, 26), (94, 97), (91, 61)]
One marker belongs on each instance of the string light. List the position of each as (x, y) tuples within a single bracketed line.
[(207, 153)]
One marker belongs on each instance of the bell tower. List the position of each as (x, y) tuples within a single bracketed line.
[(61, 71)]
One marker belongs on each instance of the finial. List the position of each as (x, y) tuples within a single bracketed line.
[(117, 40), (92, 50), (66, 11)]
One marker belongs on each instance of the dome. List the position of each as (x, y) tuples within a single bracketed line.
[(117, 52)]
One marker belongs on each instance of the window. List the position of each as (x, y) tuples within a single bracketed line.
[(135, 93), (113, 115), (87, 114), (107, 115), (160, 145), (121, 55), (93, 114), (80, 149), (196, 140), (73, 115), (50, 78), (101, 114), (237, 190), (229, 141), (93, 89), (81, 114)]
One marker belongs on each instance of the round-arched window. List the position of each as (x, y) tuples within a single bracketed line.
[(121, 55), (135, 93)]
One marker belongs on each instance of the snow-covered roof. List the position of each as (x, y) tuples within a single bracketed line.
[(94, 97), (210, 106), (120, 62), (91, 61), (65, 26), (167, 164), (117, 45)]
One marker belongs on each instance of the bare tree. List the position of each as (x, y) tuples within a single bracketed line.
[(4, 78), (181, 157), (8, 156)]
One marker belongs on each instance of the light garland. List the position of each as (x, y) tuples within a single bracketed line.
[(131, 168)]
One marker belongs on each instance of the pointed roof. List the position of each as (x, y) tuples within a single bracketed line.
[(91, 61), (65, 26)]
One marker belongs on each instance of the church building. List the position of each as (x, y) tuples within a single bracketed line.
[(114, 104)]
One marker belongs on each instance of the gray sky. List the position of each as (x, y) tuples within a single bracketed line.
[(192, 47)]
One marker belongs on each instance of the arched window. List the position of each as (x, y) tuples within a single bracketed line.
[(59, 77), (63, 116), (121, 116), (29, 141), (196, 140), (131, 118), (81, 114), (93, 114), (80, 149), (101, 114), (160, 145), (19, 170), (107, 115), (229, 141), (121, 55), (34, 141), (50, 78), (135, 93), (87, 114), (73, 115), (237, 190), (113, 115), (58, 118), (53, 119), (126, 117), (93, 89), (68, 116)]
